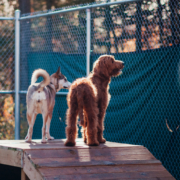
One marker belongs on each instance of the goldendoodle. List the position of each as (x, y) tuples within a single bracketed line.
[(89, 97)]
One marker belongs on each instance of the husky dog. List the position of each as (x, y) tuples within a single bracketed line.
[(40, 99)]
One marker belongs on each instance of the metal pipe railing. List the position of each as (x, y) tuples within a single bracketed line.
[(58, 93), (78, 9), (17, 72), (7, 92), (7, 18), (88, 40)]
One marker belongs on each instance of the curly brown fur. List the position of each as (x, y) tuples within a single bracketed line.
[(89, 97)]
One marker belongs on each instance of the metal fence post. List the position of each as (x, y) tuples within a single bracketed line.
[(17, 77), (88, 40)]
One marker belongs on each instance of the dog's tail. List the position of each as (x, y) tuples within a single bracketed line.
[(40, 73)]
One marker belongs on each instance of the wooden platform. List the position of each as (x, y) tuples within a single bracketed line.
[(53, 161)]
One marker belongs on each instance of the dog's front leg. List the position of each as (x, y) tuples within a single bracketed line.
[(101, 116), (49, 137)]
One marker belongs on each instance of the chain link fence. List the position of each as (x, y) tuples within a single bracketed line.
[(7, 121), (7, 55), (144, 106)]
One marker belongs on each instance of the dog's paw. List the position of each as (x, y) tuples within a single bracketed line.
[(43, 141), (68, 143), (102, 140), (50, 138), (27, 140), (93, 144), (96, 143)]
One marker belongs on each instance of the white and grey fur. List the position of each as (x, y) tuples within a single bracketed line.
[(40, 99)]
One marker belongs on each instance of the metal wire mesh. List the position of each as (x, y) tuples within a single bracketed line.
[(56, 40), (135, 26), (49, 42), (144, 106), (7, 122), (6, 55)]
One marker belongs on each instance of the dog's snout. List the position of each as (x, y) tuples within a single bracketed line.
[(123, 63)]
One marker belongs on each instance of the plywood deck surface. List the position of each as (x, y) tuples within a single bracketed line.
[(53, 161)]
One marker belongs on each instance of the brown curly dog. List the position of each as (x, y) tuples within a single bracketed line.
[(89, 97)]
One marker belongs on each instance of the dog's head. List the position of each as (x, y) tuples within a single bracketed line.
[(60, 81), (107, 66)]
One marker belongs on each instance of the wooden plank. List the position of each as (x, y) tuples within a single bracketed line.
[(55, 144), (159, 178), (31, 170), (61, 141), (10, 157), (125, 175), (73, 157), (100, 169), (53, 162), (88, 158), (59, 153), (23, 175), (55, 158)]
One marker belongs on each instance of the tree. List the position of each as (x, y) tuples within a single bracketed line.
[(138, 26), (160, 20), (25, 6), (175, 20)]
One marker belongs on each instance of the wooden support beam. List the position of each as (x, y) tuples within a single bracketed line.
[(31, 170), (23, 175), (10, 157)]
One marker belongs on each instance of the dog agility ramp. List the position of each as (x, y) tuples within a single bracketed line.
[(53, 161)]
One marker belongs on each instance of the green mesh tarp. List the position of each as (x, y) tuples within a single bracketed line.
[(145, 100)]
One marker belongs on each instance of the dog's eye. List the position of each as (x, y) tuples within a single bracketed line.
[(112, 61)]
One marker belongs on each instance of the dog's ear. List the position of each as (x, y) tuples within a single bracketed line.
[(100, 66), (59, 70)]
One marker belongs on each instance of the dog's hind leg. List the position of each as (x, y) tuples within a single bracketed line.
[(71, 121), (88, 97), (83, 131), (91, 129), (31, 120), (84, 128), (83, 123), (71, 129), (45, 118), (48, 127), (91, 112)]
